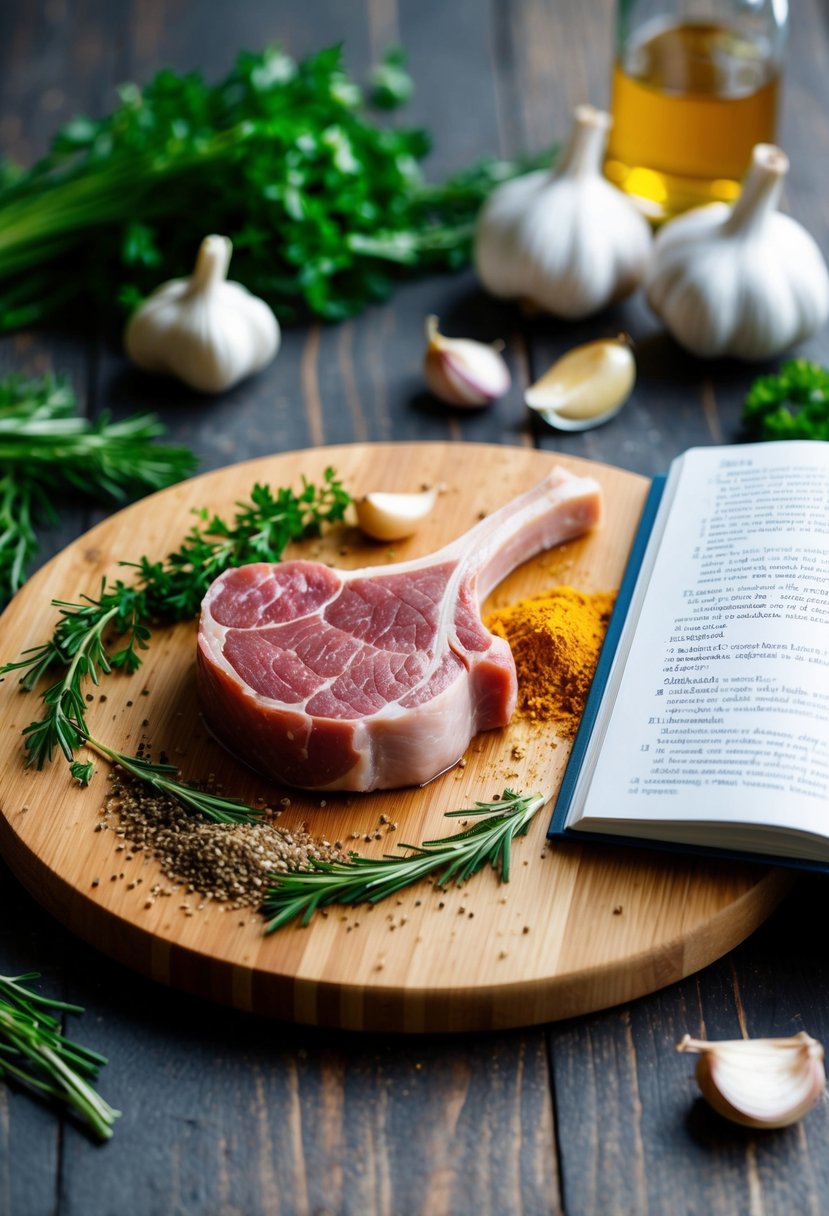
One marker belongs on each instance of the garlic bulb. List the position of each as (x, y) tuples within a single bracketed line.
[(206, 331), (462, 372), (585, 387), (760, 1082), (388, 516), (744, 281), (567, 241)]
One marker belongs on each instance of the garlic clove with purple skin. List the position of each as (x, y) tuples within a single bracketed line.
[(761, 1083), (461, 371)]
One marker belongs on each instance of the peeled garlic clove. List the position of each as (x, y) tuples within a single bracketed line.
[(585, 387), (762, 1083), (462, 372), (386, 516)]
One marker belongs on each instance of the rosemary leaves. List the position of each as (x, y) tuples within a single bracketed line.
[(365, 880), (47, 448), (35, 1053)]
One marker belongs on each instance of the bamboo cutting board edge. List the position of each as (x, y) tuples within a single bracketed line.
[(695, 911)]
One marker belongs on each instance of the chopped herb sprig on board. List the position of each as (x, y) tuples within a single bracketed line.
[(165, 778), (82, 648), (298, 894)]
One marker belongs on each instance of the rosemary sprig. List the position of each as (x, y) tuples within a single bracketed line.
[(48, 449), (164, 778), (364, 880), (35, 1052), (162, 592)]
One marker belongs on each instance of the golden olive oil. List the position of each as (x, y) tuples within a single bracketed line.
[(689, 104)]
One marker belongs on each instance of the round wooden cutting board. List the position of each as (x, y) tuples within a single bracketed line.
[(577, 928)]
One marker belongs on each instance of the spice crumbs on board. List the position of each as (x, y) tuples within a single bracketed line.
[(229, 863)]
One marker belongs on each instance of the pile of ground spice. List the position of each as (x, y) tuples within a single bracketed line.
[(229, 863), (555, 640)]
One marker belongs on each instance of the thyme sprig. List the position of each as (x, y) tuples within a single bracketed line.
[(165, 778), (366, 880), (35, 1052), (161, 592)]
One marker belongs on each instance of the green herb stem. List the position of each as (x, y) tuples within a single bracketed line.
[(35, 1053), (66, 208), (64, 724), (47, 449), (300, 894), (165, 779)]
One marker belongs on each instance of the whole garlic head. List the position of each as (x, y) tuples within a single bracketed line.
[(207, 331), (567, 241), (743, 281)]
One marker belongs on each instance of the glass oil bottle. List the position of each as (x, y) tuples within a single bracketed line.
[(695, 86)]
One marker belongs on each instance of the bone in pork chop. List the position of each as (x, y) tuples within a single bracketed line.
[(374, 678)]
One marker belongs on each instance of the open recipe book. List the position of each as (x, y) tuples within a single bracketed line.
[(707, 724)]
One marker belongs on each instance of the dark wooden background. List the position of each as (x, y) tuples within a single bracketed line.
[(223, 1113)]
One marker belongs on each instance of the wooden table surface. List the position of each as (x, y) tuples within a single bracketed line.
[(224, 1113)]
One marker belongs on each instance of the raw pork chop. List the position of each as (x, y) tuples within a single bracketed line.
[(374, 678)]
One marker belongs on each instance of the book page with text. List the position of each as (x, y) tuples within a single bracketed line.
[(717, 705)]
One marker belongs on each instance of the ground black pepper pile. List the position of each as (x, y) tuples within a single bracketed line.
[(229, 863)]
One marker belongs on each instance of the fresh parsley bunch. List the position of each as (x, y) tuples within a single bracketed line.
[(323, 205), (792, 403)]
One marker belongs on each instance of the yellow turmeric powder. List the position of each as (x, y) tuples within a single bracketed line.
[(555, 640)]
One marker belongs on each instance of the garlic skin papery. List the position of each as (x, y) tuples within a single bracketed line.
[(565, 240), (743, 281), (460, 371), (585, 387), (763, 1083), (207, 331), (390, 516)]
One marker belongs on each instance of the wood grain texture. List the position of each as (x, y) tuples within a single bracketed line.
[(549, 945)]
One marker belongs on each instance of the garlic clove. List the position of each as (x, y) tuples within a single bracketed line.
[(762, 1083), (392, 516), (587, 386), (462, 372)]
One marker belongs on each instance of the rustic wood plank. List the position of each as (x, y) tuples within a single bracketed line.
[(633, 1132), (234, 1113)]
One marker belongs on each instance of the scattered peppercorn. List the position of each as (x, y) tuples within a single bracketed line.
[(226, 862)]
